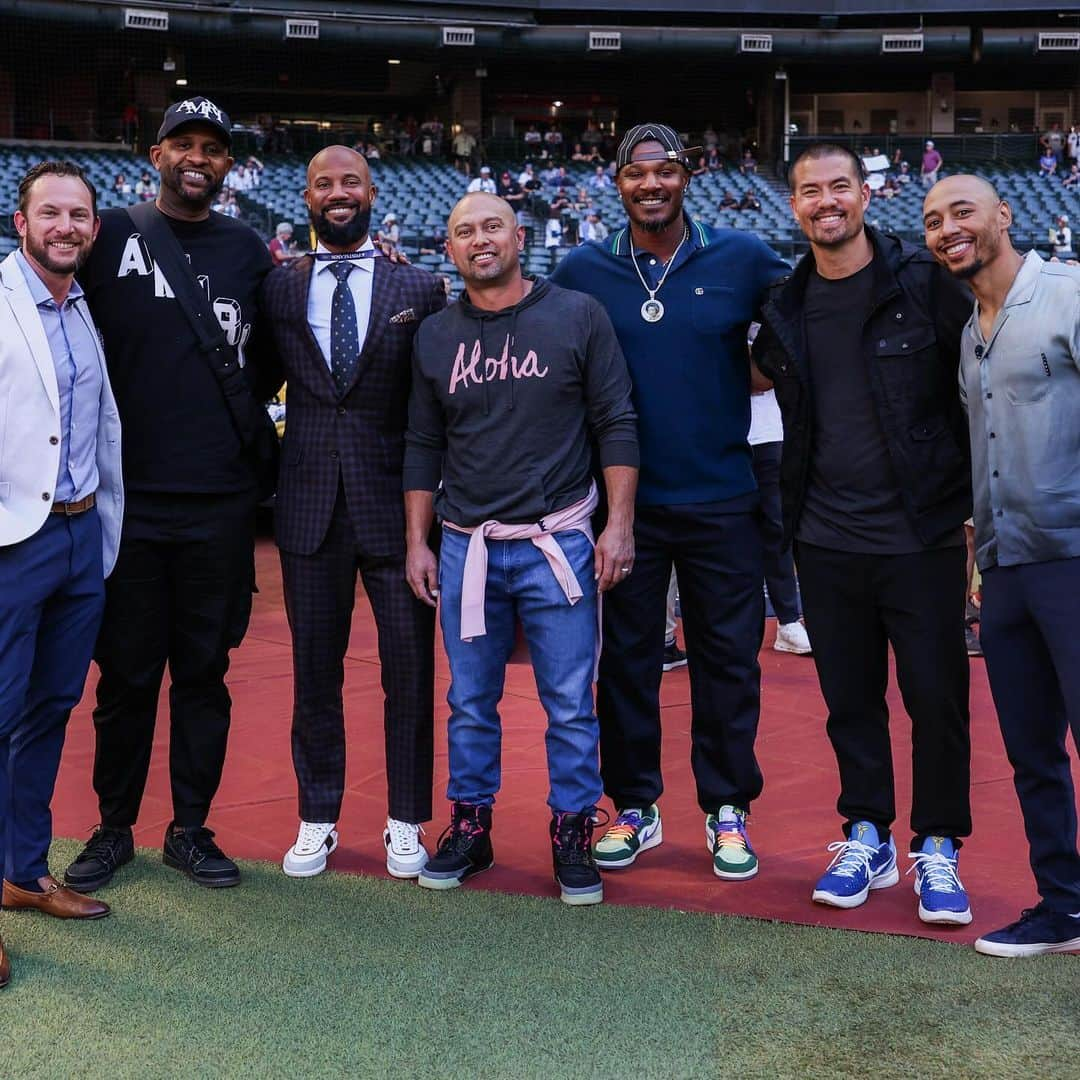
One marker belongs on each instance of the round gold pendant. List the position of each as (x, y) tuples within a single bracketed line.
[(652, 310)]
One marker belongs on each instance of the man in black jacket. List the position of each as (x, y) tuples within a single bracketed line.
[(862, 344)]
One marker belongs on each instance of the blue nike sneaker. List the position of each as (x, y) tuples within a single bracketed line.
[(861, 863), (942, 898)]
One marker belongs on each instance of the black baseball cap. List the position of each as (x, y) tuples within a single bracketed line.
[(661, 133), (196, 110)]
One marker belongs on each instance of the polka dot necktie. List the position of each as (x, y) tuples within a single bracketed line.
[(344, 341)]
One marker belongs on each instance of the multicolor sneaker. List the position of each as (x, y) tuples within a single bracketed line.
[(633, 832), (942, 898), (861, 863), (1038, 930), (575, 871), (725, 836), (464, 849)]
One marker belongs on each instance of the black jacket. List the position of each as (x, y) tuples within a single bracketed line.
[(911, 345)]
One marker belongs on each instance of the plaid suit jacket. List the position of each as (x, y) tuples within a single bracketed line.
[(356, 439)]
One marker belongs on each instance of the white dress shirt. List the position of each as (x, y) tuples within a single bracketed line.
[(321, 295)]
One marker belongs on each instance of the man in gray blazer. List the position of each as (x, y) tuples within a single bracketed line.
[(61, 504)]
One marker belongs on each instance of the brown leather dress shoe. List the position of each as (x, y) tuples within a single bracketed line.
[(57, 900), (5, 966)]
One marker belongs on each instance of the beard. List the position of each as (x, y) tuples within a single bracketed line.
[(965, 273), (43, 257), (170, 178), (658, 225), (345, 234)]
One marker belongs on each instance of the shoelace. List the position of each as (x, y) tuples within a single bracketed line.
[(938, 871), (458, 836), (202, 840), (626, 825), (573, 834), (404, 836), (852, 857), (730, 834), (312, 836), (104, 845)]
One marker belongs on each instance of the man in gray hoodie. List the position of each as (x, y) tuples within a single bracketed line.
[(511, 389)]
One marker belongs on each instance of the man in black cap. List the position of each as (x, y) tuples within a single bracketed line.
[(181, 591), (681, 296)]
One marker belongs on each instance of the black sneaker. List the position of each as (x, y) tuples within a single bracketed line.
[(673, 656), (571, 852), (193, 852), (464, 849), (106, 851)]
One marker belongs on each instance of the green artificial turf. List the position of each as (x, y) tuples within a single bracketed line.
[(346, 976)]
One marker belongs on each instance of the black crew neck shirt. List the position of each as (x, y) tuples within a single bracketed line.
[(852, 500), (177, 434)]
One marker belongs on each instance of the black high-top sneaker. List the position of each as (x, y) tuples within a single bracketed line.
[(571, 851), (464, 849)]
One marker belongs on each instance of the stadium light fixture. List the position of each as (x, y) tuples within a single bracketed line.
[(393, 61), (557, 104), (181, 82)]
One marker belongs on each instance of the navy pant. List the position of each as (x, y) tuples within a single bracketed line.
[(1028, 632), (716, 551), (51, 599), (779, 563)]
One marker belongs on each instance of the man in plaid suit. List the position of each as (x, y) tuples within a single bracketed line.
[(344, 320)]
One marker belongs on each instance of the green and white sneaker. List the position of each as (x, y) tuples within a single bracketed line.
[(725, 836), (632, 832)]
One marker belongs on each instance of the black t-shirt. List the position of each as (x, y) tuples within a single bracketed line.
[(852, 498), (178, 435)]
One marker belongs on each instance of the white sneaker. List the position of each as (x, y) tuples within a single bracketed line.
[(405, 855), (307, 857), (792, 637)]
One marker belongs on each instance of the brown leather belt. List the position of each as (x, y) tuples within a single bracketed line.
[(72, 508)]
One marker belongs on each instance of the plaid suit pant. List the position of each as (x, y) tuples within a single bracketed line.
[(320, 591)]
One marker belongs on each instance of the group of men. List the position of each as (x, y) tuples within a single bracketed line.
[(512, 458)]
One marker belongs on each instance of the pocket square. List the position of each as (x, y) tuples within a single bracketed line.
[(406, 316)]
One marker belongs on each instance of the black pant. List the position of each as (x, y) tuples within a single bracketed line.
[(856, 606), (779, 564), (717, 558), (1028, 631), (320, 590), (180, 594)]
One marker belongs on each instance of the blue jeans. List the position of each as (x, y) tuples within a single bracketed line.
[(562, 645)]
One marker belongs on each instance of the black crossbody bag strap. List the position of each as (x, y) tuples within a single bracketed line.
[(220, 357)]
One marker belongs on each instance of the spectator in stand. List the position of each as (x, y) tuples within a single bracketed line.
[(748, 165), (372, 151), (750, 202), (533, 140), (729, 202), (120, 185), (1047, 163), (897, 159), (390, 233), (580, 154), (702, 167), (483, 182), (1061, 238), (561, 201), (582, 202), (145, 188), (713, 159), (553, 140), (553, 230), (255, 169), (1072, 144), (904, 175), (431, 136), (528, 176), (600, 181), (710, 140), (513, 193), (562, 178), (1053, 142), (464, 145), (283, 247), (931, 164), (1072, 178), (890, 189), (594, 228), (592, 136)]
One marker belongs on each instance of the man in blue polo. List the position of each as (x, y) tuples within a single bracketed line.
[(681, 296)]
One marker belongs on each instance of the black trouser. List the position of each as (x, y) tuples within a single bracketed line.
[(779, 564), (180, 594), (855, 607), (1027, 629), (717, 558), (320, 590)]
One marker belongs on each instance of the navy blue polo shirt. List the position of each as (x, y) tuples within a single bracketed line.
[(690, 370)]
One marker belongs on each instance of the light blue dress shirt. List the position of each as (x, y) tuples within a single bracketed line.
[(321, 295), (78, 379)]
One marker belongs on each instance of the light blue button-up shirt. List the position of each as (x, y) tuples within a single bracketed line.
[(321, 297), (1021, 388), (78, 380)]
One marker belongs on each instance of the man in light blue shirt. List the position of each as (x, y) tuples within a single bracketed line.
[(61, 505), (1020, 382)]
